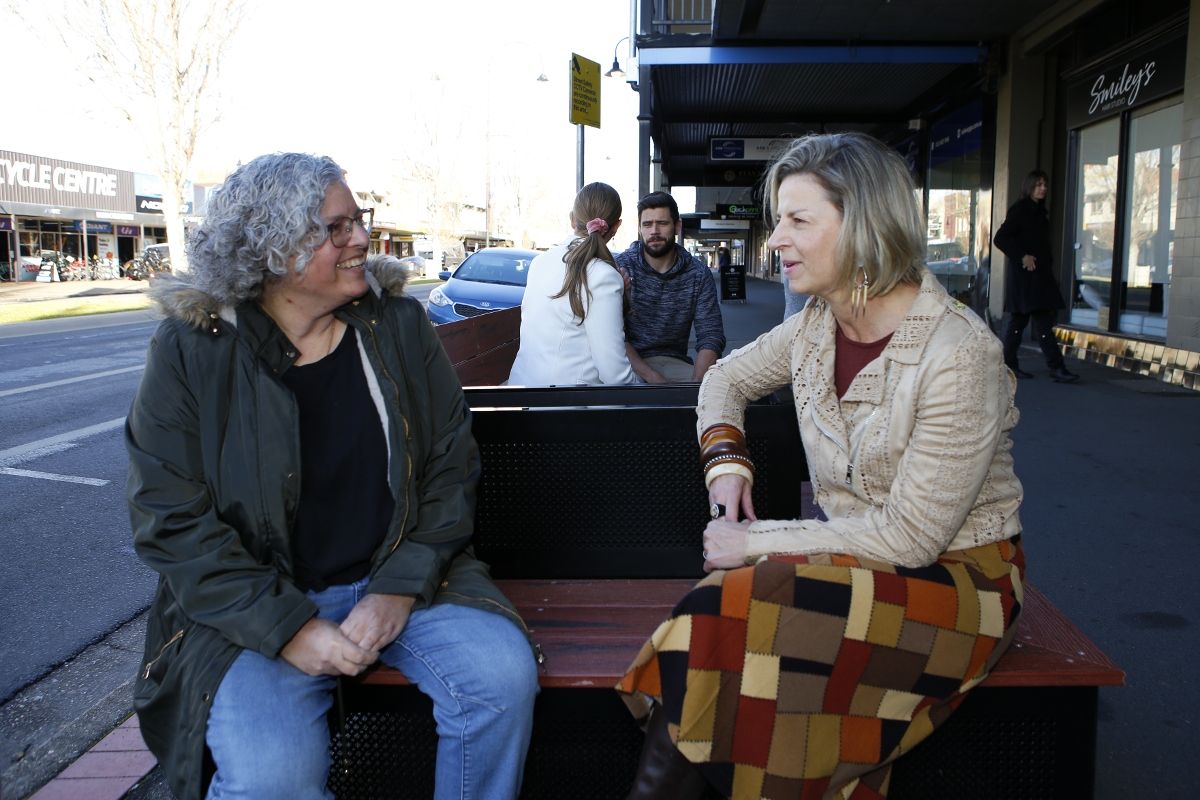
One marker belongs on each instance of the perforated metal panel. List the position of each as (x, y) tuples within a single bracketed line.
[(583, 493), (1001, 744), (1007, 744), (386, 755)]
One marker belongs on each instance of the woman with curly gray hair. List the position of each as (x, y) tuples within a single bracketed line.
[(302, 475)]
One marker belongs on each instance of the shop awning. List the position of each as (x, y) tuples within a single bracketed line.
[(760, 69)]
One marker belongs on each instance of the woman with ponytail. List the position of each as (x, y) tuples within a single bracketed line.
[(572, 315)]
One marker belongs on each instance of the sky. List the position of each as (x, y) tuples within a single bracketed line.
[(370, 83)]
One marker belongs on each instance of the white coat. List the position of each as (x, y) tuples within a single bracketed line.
[(556, 349)]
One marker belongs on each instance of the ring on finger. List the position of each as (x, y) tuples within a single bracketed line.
[(716, 510)]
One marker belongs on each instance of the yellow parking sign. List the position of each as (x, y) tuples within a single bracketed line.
[(585, 91)]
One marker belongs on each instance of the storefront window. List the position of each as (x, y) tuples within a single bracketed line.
[(1095, 222), (957, 249), (1152, 188)]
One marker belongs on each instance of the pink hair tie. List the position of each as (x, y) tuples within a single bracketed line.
[(597, 226)]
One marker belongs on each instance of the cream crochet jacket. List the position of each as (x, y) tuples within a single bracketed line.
[(914, 461)]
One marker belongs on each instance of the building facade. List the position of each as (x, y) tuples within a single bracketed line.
[(80, 212), (1104, 95)]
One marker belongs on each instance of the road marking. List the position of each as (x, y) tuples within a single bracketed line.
[(65, 381), (54, 444), (50, 476)]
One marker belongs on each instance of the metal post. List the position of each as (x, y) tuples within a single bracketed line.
[(579, 158)]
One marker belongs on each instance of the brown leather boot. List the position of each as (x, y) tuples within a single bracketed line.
[(664, 772)]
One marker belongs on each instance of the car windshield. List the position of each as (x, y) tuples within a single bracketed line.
[(507, 269)]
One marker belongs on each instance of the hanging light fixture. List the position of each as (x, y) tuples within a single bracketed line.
[(616, 71)]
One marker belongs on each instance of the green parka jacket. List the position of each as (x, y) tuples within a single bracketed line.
[(214, 481)]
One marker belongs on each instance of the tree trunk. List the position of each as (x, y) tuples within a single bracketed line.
[(173, 218)]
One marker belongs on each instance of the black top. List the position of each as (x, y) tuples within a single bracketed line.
[(345, 503), (1026, 231)]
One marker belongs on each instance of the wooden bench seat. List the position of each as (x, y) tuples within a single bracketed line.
[(1027, 732), (590, 511), (590, 631)]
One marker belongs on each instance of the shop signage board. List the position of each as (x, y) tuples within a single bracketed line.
[(725, 150), (958, 133), (724, 225), (585, 91), (739, 211), (153, 205), (1148, 74), (50, 182), (733, 283)]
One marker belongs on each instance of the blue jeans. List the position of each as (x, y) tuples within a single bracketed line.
[(267, 728)]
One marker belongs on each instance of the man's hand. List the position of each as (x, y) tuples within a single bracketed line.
[(1029, 262), (643, 370), (377, 620), (704, 359), (320, 648)]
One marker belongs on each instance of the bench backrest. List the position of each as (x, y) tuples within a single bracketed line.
[(482, 349), (611, 490)]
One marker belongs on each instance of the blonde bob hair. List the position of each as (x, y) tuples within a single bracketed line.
[(869, 183)]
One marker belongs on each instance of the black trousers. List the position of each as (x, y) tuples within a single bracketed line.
[(1043, 325)]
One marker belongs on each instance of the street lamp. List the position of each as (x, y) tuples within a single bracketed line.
[(616, 71)]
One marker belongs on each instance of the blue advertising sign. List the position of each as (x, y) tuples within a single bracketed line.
[(956, 134), (99, 227), (727, 149)]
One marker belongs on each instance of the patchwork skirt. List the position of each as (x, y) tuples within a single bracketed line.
[(807, 676)]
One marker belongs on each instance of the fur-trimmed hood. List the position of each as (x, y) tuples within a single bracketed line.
[(177, 297)]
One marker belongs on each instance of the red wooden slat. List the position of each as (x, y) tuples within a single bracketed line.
[(590, 631), (1049, 650), (468, 338), (482, 349), (603, 593)]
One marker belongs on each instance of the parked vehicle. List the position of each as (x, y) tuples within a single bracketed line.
[(946, 257), (489, 280)]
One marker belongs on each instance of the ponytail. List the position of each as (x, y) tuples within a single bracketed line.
[(597, 209)]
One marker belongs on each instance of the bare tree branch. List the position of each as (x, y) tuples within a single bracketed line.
[(157, 62)]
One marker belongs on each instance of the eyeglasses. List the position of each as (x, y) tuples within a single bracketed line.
[(341, 230)]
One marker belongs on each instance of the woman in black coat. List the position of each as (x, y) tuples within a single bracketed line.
[(1031, 290)]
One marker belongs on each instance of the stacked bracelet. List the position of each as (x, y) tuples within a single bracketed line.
[(723, 451)]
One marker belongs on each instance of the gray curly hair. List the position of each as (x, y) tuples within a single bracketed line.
[(266, 213)]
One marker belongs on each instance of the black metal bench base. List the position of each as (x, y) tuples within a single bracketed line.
[(1002, 743)]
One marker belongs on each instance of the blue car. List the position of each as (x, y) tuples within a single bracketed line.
[(489, 280)]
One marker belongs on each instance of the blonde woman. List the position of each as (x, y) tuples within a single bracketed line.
[(572, 318), (817, 651)]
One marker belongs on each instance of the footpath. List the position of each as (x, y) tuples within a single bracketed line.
[(1110, 533), (39, 292)]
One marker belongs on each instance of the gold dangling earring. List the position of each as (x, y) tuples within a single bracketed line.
[(858, 295)]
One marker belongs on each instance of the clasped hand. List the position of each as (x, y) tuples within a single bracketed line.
[(322, 648), (725, 537)]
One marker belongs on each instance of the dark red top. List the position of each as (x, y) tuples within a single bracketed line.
[(851, 356)]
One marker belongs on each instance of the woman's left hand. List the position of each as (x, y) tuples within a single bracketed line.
[(377, 619), (725, 544)]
